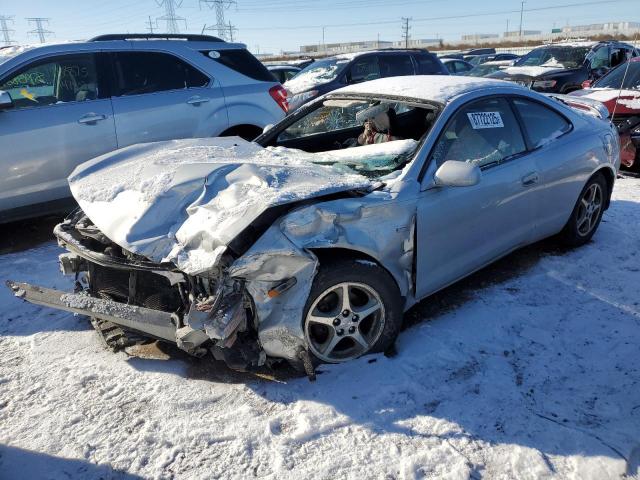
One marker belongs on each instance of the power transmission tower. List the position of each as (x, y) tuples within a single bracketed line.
[(150, 25), (39, 29), (170, 15), (521, 12), (224, 31), (6, 31), (405, 30)]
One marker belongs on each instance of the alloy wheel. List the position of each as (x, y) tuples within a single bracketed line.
[(589, 209), (344, 322)]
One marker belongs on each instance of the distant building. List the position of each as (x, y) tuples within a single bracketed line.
[(602, 28), (525, 33), (418, 43), (479, 37), (347, 47)]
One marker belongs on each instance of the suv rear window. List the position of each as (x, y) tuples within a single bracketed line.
[(243, 62), (148, 72), (428, 64)]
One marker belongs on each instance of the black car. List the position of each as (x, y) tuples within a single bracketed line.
[(493, 57), (329, 74), (563, 67)]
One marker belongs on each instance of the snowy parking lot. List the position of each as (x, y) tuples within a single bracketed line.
[(527, 369)]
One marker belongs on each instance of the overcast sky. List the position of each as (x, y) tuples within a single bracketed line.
[(275, 25)]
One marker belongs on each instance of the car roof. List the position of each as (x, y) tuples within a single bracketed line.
[(127, 41), (433, 88), (350, 56), (282, 67)]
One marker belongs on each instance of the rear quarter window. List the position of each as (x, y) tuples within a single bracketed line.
[(429, 65), (242, 62), (542, 124)]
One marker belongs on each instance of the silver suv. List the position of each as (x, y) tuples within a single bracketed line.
[(61, 105)]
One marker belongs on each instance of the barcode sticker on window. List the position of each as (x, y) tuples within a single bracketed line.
[(485, 120)]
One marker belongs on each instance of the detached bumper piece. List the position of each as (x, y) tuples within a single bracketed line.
[(154, 323)]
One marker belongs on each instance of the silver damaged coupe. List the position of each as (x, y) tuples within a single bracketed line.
[(309, 244)]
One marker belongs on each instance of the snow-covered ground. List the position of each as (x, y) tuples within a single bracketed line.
[(529, 369)]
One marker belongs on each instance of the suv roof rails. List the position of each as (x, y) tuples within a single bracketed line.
[(155, 36)]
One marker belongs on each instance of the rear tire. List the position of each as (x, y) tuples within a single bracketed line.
[(368, 320), (587, 213)]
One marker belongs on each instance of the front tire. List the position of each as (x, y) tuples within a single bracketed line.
[(354, 308), (587, 213)]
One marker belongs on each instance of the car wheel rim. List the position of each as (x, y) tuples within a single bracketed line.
[(344, 322), (589, 209)]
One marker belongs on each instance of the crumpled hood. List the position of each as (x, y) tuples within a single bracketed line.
[(183, 201)]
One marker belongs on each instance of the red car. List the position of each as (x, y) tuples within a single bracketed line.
[(623, 103)]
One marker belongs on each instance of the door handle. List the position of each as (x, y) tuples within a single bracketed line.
[(530, 179), (91, 118), (197, 100)]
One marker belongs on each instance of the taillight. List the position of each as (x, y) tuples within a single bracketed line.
[(279, 94)]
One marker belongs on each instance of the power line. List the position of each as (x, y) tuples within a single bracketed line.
[(432, 19), (225, 31), (170, 15), (405, 31), (150, 25), (39, 29), (6, 31)]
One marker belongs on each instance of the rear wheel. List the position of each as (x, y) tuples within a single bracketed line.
[(587, 213), (354, 308)]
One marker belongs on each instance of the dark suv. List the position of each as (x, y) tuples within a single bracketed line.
[(563, 67), (331, 73)]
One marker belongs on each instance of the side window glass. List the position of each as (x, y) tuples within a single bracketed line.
[(149, 72), (600, 58), (427, 65), (396, 65), (69, 78), (542, 124), (484, 132), (364, 69)]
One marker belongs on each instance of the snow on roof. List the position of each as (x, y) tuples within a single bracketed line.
[(585, 43), (7, 53), (438, 88)]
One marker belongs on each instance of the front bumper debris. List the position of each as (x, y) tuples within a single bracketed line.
[(155, 323)]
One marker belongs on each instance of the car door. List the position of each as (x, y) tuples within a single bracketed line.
[(461, 229), (559, 162), (159, 96), (60, 119)]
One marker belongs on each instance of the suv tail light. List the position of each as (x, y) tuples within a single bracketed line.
[(279, 94)]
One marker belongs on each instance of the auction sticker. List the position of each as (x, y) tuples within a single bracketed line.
[(485, 120)]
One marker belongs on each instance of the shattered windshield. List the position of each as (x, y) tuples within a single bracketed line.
[(321, 71), (561, 57), (371, 137), (630, 72)]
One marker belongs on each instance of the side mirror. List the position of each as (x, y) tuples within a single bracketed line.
[(457, 174), (5, 100), (267, 128)]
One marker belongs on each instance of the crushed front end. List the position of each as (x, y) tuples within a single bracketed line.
[(129, 298)]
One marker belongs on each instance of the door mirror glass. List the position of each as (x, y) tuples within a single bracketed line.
[(5, 100), (457, 174), (267, 128)]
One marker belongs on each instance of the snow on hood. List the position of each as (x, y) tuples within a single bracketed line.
[(183, 201), (533, 71)]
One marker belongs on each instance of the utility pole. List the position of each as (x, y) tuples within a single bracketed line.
[(521, 12), (39, 29), (324, 48), (224, 31), (170, 15), (507, 30), (405, 30), (5, 30), (150, 25)]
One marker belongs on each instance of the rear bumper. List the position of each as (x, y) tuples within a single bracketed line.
[(155, 323)]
